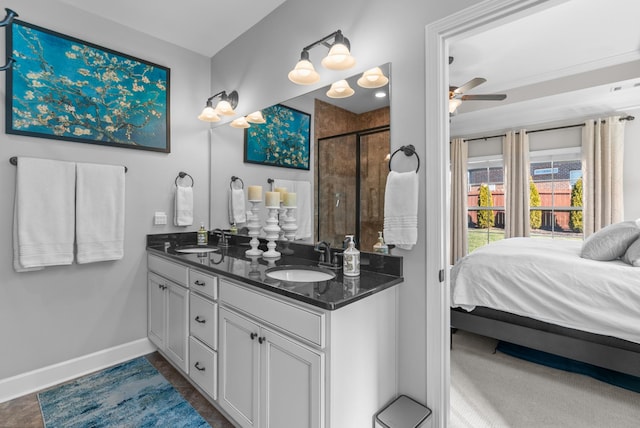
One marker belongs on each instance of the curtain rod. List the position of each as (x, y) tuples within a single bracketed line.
[(545, 129)]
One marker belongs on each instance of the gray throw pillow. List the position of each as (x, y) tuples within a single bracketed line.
[(632, 255), (611, 242)]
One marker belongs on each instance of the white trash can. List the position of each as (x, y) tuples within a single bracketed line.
[(403, 412)]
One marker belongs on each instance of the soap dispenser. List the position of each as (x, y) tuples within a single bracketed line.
[(380, 246), (203, 235), (351, 259)]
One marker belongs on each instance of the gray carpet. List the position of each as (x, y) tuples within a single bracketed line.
[(496, 390)]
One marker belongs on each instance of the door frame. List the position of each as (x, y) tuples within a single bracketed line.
[(438, 36)]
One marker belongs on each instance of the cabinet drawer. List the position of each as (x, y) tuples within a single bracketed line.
[(203, 316), (304, 323), (169, 270), (204, 283), (203, 368)]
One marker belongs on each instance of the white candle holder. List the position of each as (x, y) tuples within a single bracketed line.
[(282, 218), (272, 230), (289, 228), (253, 224)]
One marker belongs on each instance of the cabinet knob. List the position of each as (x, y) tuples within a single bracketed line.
[(262, 339), (200, 283), (253, 335), (197, 319), (197, 366)]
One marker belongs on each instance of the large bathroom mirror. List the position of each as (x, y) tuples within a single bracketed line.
[(352, 138), (350, 144)]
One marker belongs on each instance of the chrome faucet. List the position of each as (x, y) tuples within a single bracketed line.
[(223, 240)]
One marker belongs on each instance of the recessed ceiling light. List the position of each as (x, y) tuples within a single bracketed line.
[(381, 94)]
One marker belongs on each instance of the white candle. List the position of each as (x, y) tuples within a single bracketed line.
[(282, 191), (255, 193), (273, 199), (290, 199)]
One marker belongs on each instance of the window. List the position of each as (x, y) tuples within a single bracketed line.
[(486, 188), (557, 177)]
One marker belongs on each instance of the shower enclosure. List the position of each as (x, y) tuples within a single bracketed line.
[(352, 174)]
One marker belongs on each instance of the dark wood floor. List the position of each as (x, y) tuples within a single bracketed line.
[(24, 412)]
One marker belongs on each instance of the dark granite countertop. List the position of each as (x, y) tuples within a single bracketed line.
[(377, 272)]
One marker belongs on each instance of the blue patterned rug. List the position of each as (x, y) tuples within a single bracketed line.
[(132, 394)]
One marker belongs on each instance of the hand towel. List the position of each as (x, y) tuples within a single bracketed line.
[(100, 191), (304, 208), (183, 208), (237, 210), (401, 209), (43, 213)]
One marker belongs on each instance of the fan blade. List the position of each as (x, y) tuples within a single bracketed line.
[(470, 85), (487, 97)]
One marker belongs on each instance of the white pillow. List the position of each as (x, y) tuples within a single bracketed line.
[(632, 255), (611, 242)]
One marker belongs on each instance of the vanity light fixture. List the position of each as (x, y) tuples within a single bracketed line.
[(338, 58), (240, 122), (373, 78), (256, 117), (340, 89), (225, 106)]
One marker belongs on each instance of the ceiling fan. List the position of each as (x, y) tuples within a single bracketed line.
[(457, 93)]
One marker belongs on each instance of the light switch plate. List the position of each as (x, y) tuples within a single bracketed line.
[(159, 218)]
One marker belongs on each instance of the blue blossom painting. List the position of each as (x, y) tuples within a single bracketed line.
[(63, 88), (282, 141)]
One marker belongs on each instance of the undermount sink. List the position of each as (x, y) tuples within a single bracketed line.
[(300, 273), (192, 249)]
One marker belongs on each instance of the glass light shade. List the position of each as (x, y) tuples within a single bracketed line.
[(304, 73), (225, 108), (256, 117), (338, 58), (340, 89), (209, 115), (240, 122), (373, 78), (454, 103)]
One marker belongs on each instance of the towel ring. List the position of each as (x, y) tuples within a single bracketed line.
[(409, 150), (233, 180), (183, 175)]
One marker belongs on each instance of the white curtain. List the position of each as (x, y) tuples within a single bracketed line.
[(602, 162), (459, 155), (515, 149)]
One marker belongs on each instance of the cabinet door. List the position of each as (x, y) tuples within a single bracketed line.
[(177, 344), (291, 383), (239, 368), (156, 309)]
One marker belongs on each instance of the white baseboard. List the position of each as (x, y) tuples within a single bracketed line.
[(27, 383)]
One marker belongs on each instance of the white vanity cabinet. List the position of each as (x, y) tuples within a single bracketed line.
[(168, 309), (267, 378), (203, 331), (286, 364)]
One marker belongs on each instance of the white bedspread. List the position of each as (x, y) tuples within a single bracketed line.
[(547, 280)]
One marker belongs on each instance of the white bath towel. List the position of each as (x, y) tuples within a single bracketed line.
[(100, 194), (303, 211), (43, 213), (183, 208), (401, 209), (237, 210)]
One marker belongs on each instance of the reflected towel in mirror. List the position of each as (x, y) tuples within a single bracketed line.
[(237, 210)]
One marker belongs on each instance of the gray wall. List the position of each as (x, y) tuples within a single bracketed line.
[(66, 312), (256, 64)]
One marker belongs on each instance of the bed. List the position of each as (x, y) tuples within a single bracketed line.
[(542, 294)]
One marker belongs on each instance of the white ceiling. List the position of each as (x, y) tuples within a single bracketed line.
[(562, 62), (203, 26)]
